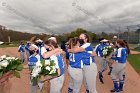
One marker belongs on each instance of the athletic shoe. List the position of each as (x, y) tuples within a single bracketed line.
[(116, 91), (70, 90)]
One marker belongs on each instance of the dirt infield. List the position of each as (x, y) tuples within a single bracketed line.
[(22, 85)]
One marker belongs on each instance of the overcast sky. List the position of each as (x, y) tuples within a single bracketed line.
[(60, 16)]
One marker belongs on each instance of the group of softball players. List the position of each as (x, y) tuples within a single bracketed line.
[(48, 50), (80, 60), (82, 67), (118, 57)]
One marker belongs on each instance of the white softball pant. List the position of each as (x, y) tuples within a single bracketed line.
[(90, 73), (76, 79), (56, 84), (118, 70)]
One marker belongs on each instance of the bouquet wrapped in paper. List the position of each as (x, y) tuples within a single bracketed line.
[(10, 65), (43, 68)]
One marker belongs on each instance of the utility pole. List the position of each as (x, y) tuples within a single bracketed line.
[(128, 34), (139, 33), (119, 32), (9, 39)]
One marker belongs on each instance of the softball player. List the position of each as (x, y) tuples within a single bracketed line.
[(89, 66), (21, 49), (119, 68), (27, 49), (32, 60), (56, 83), (75, 67), (102, 62)]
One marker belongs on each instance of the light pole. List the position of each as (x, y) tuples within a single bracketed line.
[(139, 32), (128, 34)]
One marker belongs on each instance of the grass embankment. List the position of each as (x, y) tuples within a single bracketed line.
[(134, 60)]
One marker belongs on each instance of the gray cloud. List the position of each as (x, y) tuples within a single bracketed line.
[(60, 16)]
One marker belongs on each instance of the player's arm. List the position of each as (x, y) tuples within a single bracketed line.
[(50, 53), (93, 53), (75, 50), (80, 49)]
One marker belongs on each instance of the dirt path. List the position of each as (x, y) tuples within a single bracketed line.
[(134, 52), (22, 85)]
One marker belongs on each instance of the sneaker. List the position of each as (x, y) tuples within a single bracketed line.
[(70, 90), (101, 78), (87, 91), (113, 90)]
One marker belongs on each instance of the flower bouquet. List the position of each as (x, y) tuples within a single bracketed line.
[(107, 51), (9, 66), (43, 68)]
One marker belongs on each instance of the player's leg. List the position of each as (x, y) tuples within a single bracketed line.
[(121, 77), (90, 73), (110, 67), (101, 68), (70, 87), (114, 74), (22, 56), (77, 78), (56, 84), (34, 86)]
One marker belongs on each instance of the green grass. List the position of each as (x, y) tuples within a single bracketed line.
[(4, 46), (133, 46), (134, 60)]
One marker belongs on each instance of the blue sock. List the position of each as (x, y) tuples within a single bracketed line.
[(121, 85), (116, 86)]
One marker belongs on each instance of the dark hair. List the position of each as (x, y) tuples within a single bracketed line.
[(121, 43), (126, 45), (100, 39), (21, 43), (51, 43), (87, 37), (73, 42)]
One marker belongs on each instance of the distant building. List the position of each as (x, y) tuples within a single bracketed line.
[(2, 27)]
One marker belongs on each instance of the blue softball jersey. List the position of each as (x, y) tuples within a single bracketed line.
[(21, 48), (58, 60), (32, 60), (60, 64), (87, 59), (76, 60), (99, 49), (27, 47), (122, 54)]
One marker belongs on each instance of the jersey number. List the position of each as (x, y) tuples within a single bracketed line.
[(72, 58)]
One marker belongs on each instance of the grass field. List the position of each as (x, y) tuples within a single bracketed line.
[(4, 46), (134, 60)]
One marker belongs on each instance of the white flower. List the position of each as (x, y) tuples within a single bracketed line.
[(16, 58), (4, 56), (36, 71), (48, 68), (34, 74), (47, 62), (38, 64), (4, 63), (110, 47), (1, 59), (53, 70), (13, 58), (8, 58), (104, 52)]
